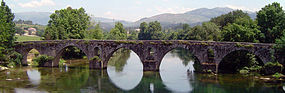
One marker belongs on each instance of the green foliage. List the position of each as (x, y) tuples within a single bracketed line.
[(28, 38), (118, 32), (252, 65), (229, 18), (42, 59), (242, 30), (15, 59), (208, 31), (243, 71), (133, 35), (277, 75), (95, 33), (7, 31), (61, 62), (179, 34), (280, 45), (151, 31), (67, 24), (271, 68), (239, 60), (271, 20)]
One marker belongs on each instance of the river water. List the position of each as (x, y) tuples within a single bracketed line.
[(125, 74)]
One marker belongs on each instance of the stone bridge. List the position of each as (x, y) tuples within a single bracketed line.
[(150, 52)]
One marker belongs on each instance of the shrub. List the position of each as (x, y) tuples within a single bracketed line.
[(15, 59), (243, 71), (61, 62), (277, 75), (42, 59), (272, 68)]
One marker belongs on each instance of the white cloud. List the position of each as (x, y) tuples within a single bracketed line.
[(36, 3), (241, 8), (174, 10), (138, 2), (109, 13)]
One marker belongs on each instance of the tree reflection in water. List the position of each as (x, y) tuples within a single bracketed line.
[(176, 69), (125, 69), (119, 59), (130, 79)]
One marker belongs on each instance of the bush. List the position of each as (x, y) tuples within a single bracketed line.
[(61, 61), (277, 75), (272, 68), (42, 59), (15, 59), (243, 71)]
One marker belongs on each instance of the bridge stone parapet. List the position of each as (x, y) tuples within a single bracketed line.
[(150, 52)]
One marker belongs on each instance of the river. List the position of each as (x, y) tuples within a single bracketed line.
[(125, 74)]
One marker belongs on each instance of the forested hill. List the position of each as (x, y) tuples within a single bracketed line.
[(193, 17)]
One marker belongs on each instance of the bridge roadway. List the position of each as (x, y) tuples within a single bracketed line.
[(150, 52)]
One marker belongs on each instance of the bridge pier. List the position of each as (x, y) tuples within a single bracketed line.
[(209, 67), (96, 65), (150, 65)]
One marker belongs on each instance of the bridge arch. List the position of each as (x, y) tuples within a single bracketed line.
[(228, 62), (60, 50), (26, 52), (110, 54), (179, 47), (256, 53)]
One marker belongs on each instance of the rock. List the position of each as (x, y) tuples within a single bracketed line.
[(3, 68), (265, 78)]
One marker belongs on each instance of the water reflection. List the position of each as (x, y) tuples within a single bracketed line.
[(34, 76), (176, 72), (30, 90), (125, 67), (173, 77)]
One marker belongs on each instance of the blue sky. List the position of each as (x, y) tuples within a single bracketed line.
[(132, 10)]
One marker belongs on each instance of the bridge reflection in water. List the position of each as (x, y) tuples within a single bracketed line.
[(173, 77)]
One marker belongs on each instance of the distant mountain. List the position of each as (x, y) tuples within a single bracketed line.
[(107, 24), (193, 17), (37, 17)]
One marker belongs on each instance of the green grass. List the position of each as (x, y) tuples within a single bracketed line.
[(28, 38)]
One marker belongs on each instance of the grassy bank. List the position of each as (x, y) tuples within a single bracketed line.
[(28, 38)]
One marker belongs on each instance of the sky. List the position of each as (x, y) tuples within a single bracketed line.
[(133, 10)]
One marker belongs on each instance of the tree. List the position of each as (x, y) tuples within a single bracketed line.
[(95, 33), (143, 32), (271, 19), (225, 19), (242, 30), (280, 45), (67, 24), (7, 32), (133, 35), (151, 31), (154, 30), (182, 33), (208, 31), (118, 32)]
